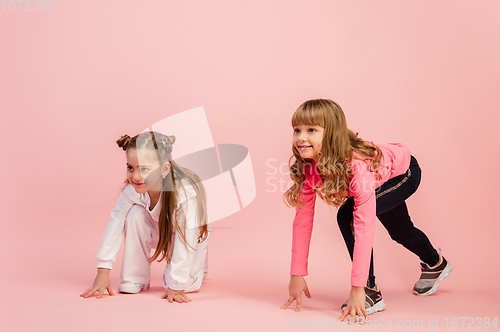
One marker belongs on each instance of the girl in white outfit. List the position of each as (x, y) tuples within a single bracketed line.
[(163, 206)]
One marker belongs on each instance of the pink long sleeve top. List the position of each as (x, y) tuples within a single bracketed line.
[(396, 157)]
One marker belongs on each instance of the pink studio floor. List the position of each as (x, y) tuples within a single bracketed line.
[(243, 292), (226, 305)]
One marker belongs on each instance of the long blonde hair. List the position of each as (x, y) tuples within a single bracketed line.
[(337, 147), (162, 146)]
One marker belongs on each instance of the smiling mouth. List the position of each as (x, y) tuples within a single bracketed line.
[(138, 184), (303, 147)]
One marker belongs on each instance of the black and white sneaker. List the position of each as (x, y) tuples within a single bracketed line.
[(373, 301), (431, 277)]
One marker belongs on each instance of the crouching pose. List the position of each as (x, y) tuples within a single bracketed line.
[(163, 206), (365, 181)]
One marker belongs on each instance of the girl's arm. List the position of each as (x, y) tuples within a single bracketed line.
[(301, 239), (303, 225), (113, 236), (178, 271), (111, 243), (362, 188), (364, 218)]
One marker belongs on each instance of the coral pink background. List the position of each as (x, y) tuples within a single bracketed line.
[(72, 81)]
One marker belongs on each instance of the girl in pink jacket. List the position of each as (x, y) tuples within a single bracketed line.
[(365, 181)]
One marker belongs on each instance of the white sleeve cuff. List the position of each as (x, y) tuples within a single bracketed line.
[(104, 265)]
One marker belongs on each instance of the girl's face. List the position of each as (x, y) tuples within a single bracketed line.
[(307, 140), (144, 172)]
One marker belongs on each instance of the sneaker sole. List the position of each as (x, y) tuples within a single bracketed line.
[(446, 272), (379, 306)]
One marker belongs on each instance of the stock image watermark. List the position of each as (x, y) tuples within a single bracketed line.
[(225, 170), (432, 323), (28, 5), (278, 178)]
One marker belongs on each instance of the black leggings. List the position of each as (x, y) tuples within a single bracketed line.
[(392, 212)]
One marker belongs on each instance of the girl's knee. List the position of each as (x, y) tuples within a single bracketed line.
[(137, 211), (136, 216), (195, 284), (345, 214), (403, 237)]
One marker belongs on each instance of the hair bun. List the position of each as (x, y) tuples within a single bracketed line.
[(170, 139), (124, 141), (167, 142)]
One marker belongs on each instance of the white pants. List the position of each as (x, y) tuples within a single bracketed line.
[(141, 235)]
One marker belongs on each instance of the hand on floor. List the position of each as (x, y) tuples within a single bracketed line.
[(296, 287), (176, 296), (101, 283), (355, 306)]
